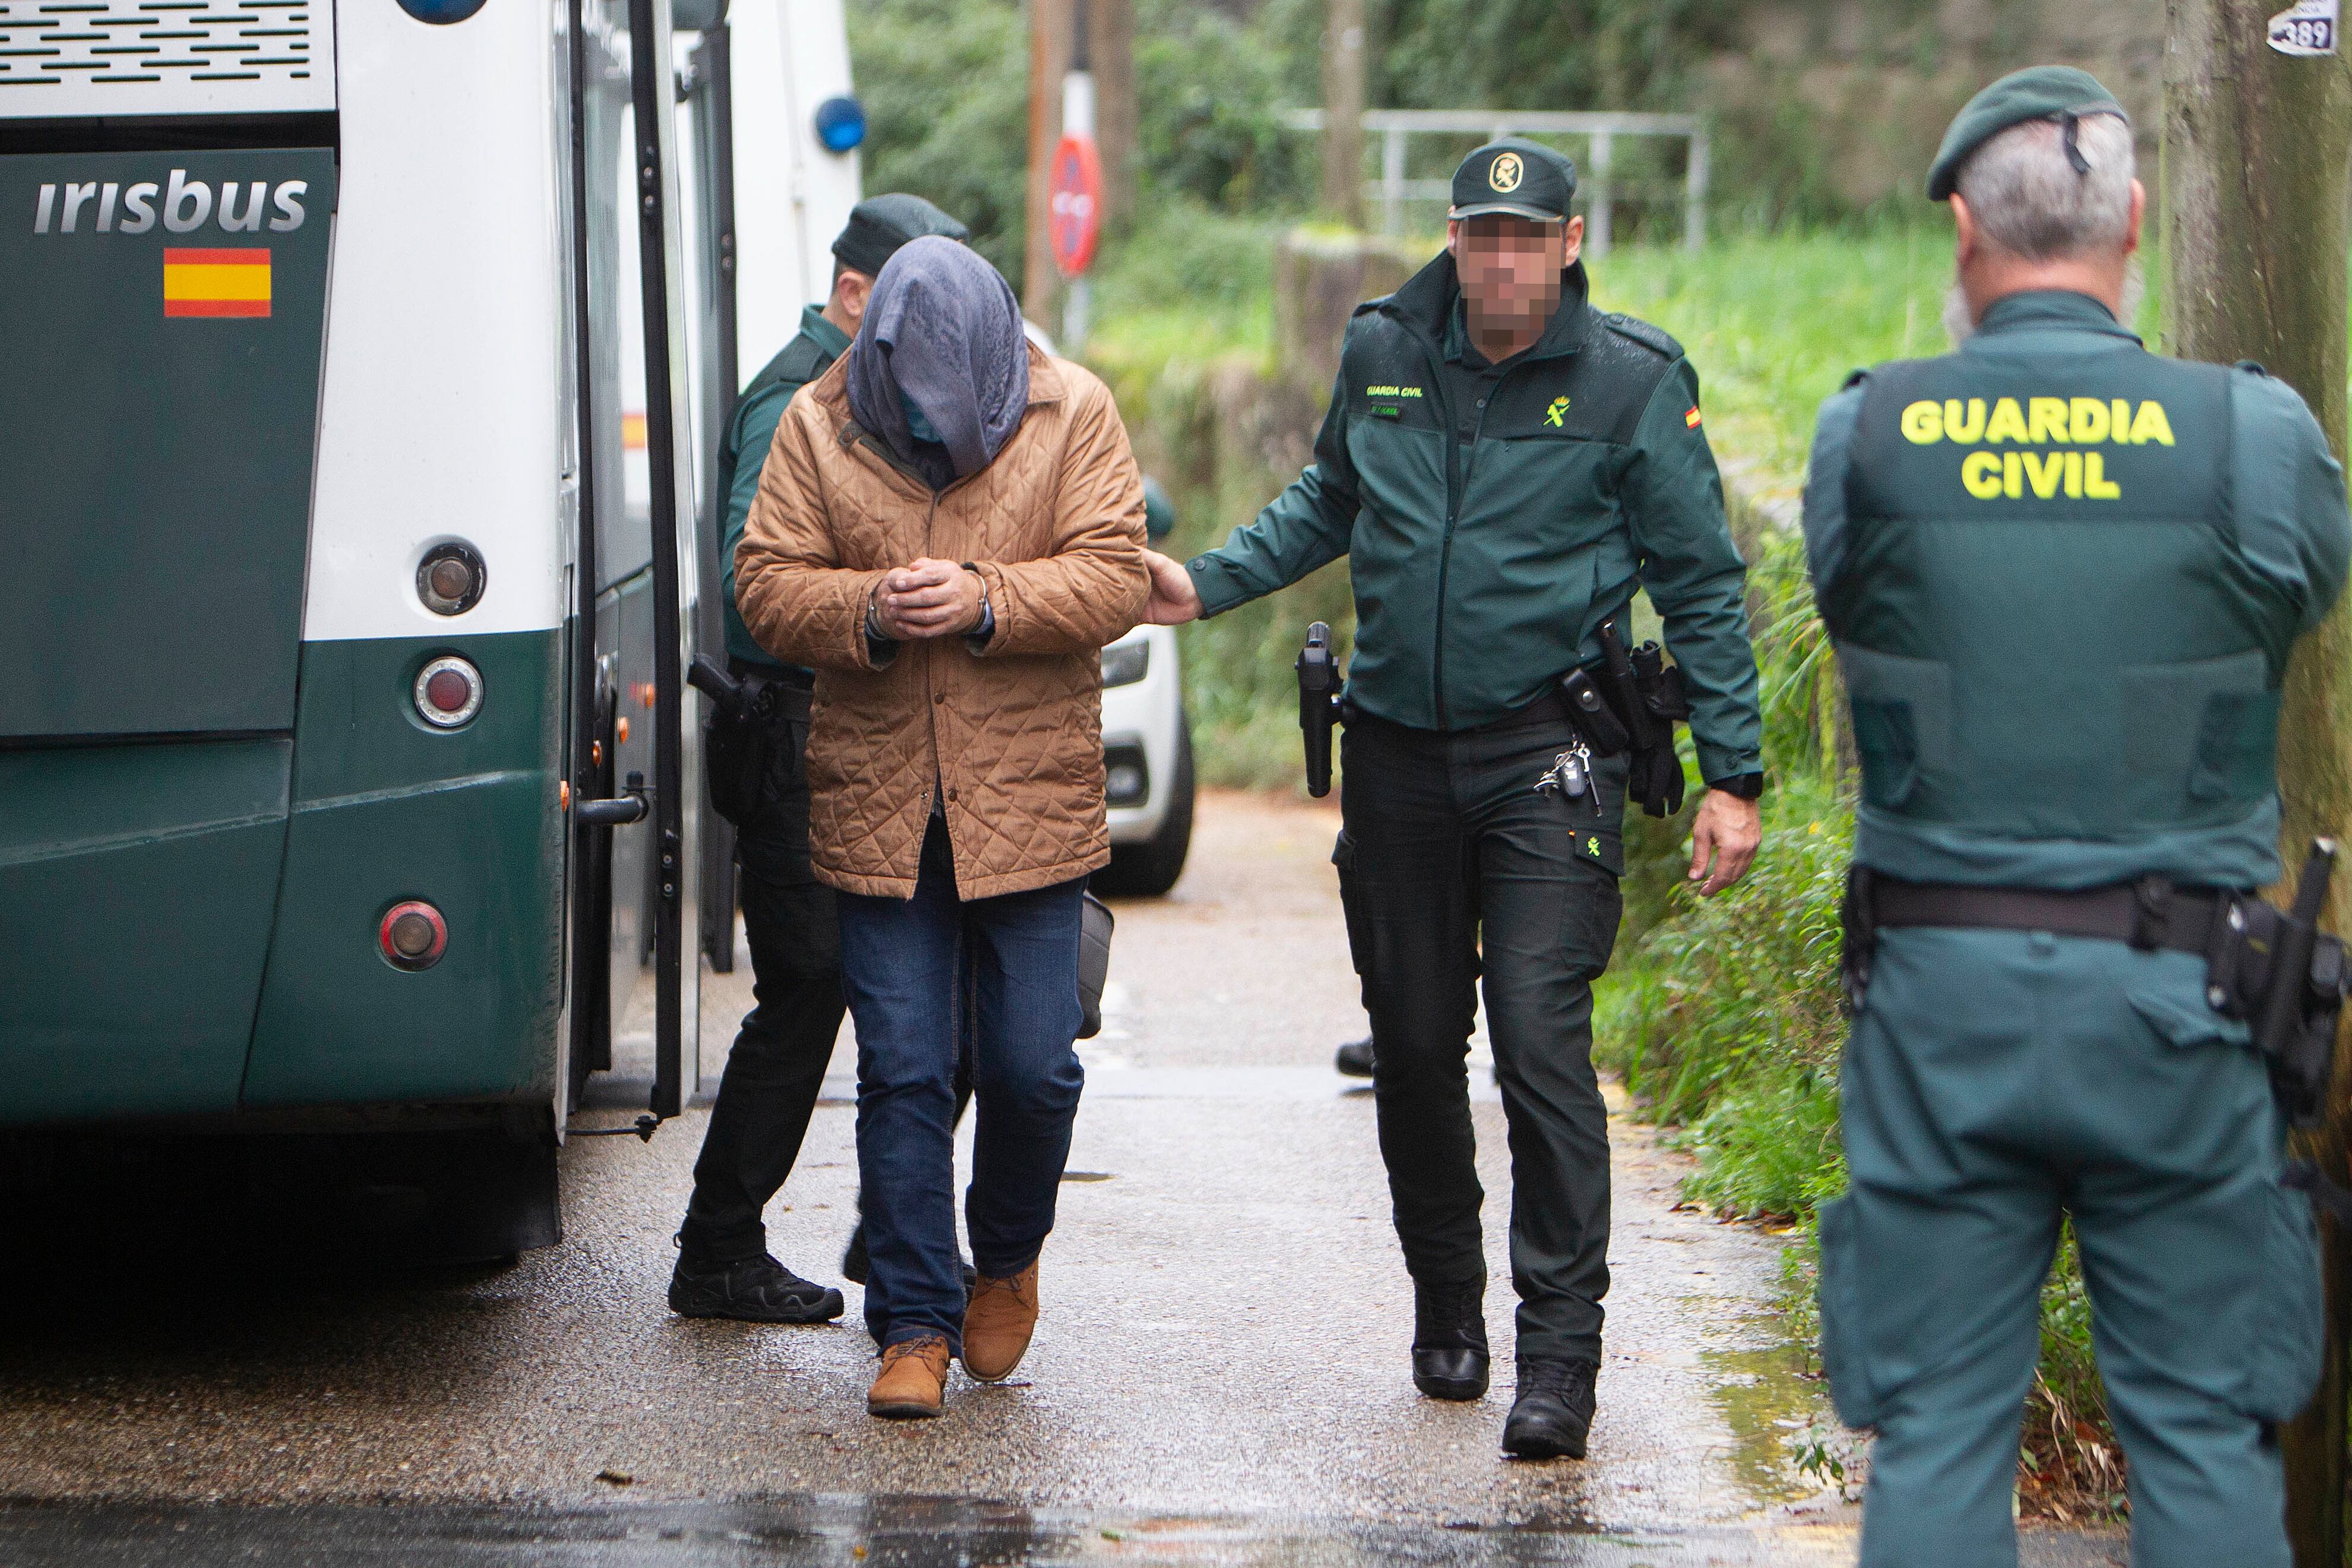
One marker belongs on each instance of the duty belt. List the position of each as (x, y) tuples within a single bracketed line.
[(2147, 914), (2268, 966)]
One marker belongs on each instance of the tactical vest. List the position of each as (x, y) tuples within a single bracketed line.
[(2045, 629)]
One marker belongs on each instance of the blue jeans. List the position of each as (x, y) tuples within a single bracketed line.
[(900, 961)]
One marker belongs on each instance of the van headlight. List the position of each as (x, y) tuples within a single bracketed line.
[(1125, 663)]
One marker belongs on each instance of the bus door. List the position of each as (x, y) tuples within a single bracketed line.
[(636, 566), (707, 105), (163, 313)]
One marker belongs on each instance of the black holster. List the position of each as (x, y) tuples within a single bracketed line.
[(2274, 969), (1858, 933), (739, 736), (1644, 699)]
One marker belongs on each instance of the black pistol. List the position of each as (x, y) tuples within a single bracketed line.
[(721, 688), (2296, 1030), (1318, 706)]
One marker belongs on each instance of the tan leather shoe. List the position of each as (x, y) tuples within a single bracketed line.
[(997, 1323), (914, 1376)]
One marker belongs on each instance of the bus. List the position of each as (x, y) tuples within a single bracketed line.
[(350, 802)]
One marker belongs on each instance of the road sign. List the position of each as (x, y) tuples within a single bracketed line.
[(1077, 210)]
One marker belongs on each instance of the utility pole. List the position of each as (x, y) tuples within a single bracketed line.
[(2257, 138), (1050, 24), (1343, 112), (1112, 35)]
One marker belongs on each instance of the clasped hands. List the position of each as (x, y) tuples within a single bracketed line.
[(927, 598)]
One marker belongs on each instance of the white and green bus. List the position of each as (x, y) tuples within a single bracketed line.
[(348, 778)]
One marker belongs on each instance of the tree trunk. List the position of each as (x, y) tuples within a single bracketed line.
[(1113, 38), (2256, 144), (1049, 61), (1343, 112)]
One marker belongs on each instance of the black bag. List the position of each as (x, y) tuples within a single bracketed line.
[(1095, 924)]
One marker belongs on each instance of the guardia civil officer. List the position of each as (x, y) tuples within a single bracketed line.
[(777, 1064), (2062, 576), (1502, 465)]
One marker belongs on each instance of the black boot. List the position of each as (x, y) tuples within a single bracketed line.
[(755, 1290), (1449, 1339), (853, 1263), (1553, 1414), (1354, 1059)]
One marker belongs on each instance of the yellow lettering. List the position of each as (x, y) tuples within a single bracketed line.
[(2095, 483), (2075, 465), (2008, 423), (2043, 471), (2150, 425), (2011, 474), (1967, 431), (2048, 416), (1981, 474), (2088, 424), (1923, 424), (2119, 420)]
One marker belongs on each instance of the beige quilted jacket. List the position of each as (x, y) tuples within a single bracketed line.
[(1013, 734)]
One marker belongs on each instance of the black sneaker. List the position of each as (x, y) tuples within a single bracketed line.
[(1449, 1339), (756, 1290), (855, 1266), (1553, 1412), (1355, 1059)]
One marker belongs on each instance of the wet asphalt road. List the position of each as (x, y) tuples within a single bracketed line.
[(1219, 1375)]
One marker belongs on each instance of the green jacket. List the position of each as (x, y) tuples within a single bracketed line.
[(745, 451), (1484, 571), (2063, 575)]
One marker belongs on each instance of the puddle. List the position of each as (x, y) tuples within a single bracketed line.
[(1775, 1412)]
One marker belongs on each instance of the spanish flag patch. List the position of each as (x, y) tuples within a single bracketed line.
[(1690, 420), (216, 282)]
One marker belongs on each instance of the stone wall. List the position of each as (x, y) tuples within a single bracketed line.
[(1825, 106)]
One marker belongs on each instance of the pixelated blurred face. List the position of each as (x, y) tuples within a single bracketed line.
[(1510, 267)]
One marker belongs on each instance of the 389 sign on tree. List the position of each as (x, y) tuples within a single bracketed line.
[(1077, 208)]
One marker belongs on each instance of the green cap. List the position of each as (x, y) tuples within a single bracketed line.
[(878, 225), (1513, 175), (2058, 93)]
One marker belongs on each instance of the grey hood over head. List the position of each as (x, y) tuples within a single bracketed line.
[(943, 330)]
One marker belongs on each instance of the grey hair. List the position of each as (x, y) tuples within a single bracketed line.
[(2031, 202)]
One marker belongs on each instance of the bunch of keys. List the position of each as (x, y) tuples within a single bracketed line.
[(1571, 776)]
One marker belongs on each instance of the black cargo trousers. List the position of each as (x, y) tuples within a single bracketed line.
[(1453, 870), (776, 1067)]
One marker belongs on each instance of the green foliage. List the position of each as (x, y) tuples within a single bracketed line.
[(1732, 1001), (1774, 322), (946, 89), (1207, 84), (1557, 53)]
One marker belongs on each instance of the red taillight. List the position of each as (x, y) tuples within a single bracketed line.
[(412, 935), (449, 693)]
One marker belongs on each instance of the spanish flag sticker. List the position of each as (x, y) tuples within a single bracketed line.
[(1690, 420), (216, 282)]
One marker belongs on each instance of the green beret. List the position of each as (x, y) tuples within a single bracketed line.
[(2059, 93), (878, 225)]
